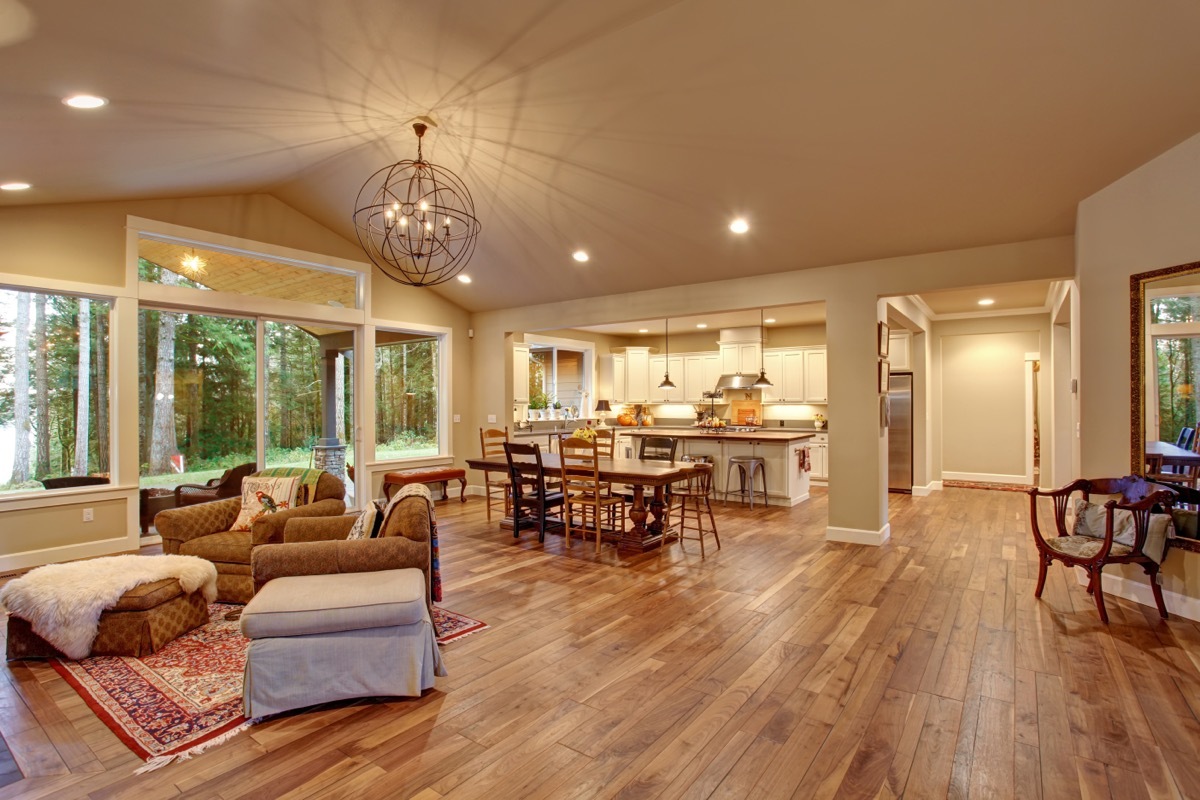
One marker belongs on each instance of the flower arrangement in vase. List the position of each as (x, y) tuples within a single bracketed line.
[(818, 421)]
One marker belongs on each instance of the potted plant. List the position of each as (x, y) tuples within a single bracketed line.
[(818, 421), (537, 406), (557, 410)]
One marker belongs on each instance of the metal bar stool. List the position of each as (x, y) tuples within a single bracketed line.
[(747, 466)]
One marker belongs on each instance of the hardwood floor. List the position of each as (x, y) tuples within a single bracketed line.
[(780, 666)]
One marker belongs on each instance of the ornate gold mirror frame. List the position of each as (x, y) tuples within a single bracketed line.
[(1137, 356)]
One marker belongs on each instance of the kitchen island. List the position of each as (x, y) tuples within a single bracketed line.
[(782, 449)]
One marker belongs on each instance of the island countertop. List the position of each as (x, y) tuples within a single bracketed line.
[(780, 435)]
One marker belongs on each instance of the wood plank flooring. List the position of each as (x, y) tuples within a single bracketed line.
[(780, 666)]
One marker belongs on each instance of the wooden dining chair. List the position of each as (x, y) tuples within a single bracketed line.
[(586, 494), (527, 476), (491, 442), (695, 511), (1114, 533), (604, 442)]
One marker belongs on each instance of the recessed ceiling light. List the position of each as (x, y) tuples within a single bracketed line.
[(464, 278), (579, 256), (987, 301), (739, 225), (643, 330), (85, 101), (769, 320), (701, 324), (15, 186)]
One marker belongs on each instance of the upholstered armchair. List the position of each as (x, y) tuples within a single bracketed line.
[(204, 530), (318, 546), (226, 486)]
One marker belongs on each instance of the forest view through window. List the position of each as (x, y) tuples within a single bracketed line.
[(54, 401), (1177, 361), (406, 395)]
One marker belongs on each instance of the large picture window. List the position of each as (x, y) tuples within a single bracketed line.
[(54, 399), (407, 370)]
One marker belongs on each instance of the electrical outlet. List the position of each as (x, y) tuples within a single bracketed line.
[(492, 418), (87, 515)]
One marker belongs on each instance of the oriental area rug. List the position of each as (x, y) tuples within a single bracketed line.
[(187, 697)]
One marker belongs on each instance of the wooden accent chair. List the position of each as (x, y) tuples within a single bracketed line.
[(228, 485), (491, 443), (692, 499), (586, 494), (1126, 525), (605, 439), (529, 491)]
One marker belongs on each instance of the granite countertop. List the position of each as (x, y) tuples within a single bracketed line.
[(761, 435)]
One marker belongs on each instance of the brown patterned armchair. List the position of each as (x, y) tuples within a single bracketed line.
[(203, 530)]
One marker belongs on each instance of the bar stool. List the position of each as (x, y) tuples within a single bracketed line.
[(694, 506), (747, 466)]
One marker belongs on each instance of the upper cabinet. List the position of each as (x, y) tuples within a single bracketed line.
[(900, 351), (637, 375), (797, 375), (521, 373), (660, 366), (744, 357), (816, 377), (618, 380)]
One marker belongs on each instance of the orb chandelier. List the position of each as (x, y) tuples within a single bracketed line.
[(416, 221)]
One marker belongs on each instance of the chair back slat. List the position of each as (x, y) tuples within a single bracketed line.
[(658, 448), (580, 466), (604, 442), (491, 441)]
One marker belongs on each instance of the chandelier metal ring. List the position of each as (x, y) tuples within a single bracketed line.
[(416, 221)]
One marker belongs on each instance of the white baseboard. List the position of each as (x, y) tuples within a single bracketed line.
[(928, 489), (70, 552), (1139, 592), (983, 477), (858, 536)]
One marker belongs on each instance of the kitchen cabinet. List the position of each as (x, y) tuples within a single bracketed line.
[(637, 375), (816, 375), (900, 351), (773, 365), (818, 449), (743, 357), (701, 371), (619, 392), (521, 374), (659, 366)]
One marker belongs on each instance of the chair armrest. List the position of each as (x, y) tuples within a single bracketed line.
[(268, 529), (326, 558), (317, 529), (179, 525)]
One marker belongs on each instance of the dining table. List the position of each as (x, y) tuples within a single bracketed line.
[(1166, 454), (639, 536)]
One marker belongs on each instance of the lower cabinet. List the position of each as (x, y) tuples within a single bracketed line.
[(818, 449)]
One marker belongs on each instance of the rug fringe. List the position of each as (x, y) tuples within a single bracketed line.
[(457, 636), (158, 762)]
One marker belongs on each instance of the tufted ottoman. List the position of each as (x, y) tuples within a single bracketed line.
[(438, 475), (143, 620)]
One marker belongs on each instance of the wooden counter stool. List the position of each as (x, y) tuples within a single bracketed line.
[(692, 498)]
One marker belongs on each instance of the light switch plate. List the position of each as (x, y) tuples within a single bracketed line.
[(492, 418)]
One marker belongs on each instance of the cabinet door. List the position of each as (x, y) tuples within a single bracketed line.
[(815, 377), (793, 376), (693, 379), (820, 462), (675, 368), (637, 376), (619, 390), (730, 360), (899, 354), (657, 366), (520, 374), (712, 372), (749, 358), (773, 364)]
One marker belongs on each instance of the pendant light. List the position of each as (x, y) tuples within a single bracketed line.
[(762, 382), (666, 382)]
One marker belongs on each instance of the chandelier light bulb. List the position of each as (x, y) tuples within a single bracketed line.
[(403, 221)]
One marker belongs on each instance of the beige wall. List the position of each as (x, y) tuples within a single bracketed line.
[(851, 293), (86, 243), (1145, 221)]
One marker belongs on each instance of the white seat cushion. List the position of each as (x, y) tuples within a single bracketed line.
[(313, 604)]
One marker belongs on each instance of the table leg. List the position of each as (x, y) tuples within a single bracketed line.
[(638, 537)]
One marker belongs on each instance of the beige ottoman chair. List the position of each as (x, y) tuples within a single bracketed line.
[(320, 638)]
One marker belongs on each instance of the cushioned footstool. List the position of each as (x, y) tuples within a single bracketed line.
[(439, 475), (144, 619), (320, 638)]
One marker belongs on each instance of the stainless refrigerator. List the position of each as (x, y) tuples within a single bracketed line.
[(900, 433)]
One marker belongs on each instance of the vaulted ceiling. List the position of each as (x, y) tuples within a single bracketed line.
[(634, 129)]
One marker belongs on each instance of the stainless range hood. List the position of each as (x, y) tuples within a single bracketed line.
[(736, 380)]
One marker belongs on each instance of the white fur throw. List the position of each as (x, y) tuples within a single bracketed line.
[(62, 602)]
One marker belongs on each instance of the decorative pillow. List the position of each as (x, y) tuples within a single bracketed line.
[(262, 496), (1090, 519), (368, 523)]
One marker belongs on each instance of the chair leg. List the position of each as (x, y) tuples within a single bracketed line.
[(1043, 563), (1098, 593), (1152, 571), (713, 521)]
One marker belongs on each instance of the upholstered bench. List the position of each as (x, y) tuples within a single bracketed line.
[(440, 475), (320, 638), (144, 619)]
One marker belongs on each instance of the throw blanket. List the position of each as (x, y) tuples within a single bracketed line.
[(62, 602), (306, 487), (435, 570)]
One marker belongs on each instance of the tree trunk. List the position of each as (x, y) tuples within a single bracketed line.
[(41, 386), (21, 419), (162, 433), (84, 392)]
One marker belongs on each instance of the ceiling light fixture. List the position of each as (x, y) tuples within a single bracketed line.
[(193, 264), (580, 256), (464, 278), (643, 330), (739, 226), (85, 101), (416, 220), (987, 301), (666, 381), (762, 382), (770, 320), (701, 324), (14, 186)]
